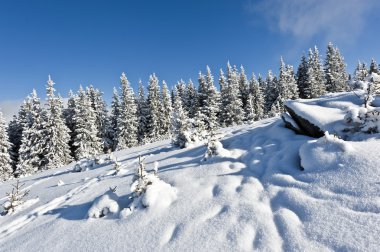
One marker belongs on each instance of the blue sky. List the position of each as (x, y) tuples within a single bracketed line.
[(92, 42)]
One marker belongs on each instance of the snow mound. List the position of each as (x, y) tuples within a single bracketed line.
[(324, 153), (159, 195), (84, 164), (104, 205)]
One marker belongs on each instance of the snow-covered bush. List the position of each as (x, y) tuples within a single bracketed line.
[(149, 191), (214, 147), (84, 164), (116, 164), (104, 205), (15, 198), (365, 120)]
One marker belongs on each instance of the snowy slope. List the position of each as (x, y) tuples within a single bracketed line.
[(255, 198)]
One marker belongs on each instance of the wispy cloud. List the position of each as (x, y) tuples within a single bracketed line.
[(10, 108), (338, 20)]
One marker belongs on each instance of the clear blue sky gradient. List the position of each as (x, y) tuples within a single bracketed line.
[(92, 42)]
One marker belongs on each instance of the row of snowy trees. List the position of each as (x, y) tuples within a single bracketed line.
[(47, 135)]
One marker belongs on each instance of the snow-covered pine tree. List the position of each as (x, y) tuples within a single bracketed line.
[(165, 121), (86, 141), (210, 107), (15, 129), (127, 123), (302, 77), (316, 80), (223, 87), (257, 98), (179, 124), (373, 67), (250, 114), (5, 159), (335, 70), (68, 114), (142, 114), (153, 118), (191, 99), (181, 91), (243, 88), (287, 84), (271, 91), (361, 72), (33, 140), (102, 121), (114, 117), (277, 106), (56, 151), (234, 108)]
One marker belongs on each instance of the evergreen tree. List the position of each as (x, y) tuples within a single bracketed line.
[(334, 69), (287, 85), (153, 118), (257, 98), (191, 99), (271, 91), (142, 113), (181, 91), (302, 78), (361, 72), (127, 123), (32, 143), (5, 159), (56, 151), (14, 132), (165, 122), (114, 117), (249, 109), (180, 124), (243, 88), (210, 107), (68, 114), (374, 68), (234, 112), (86, 141), (102, 121), (315, 81), (223, 87)]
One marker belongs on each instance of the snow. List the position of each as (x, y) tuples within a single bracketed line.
[(104, 205), (327, 112), (159, 195), (257, 198)]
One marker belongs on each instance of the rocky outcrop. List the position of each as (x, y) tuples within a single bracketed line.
[(304, 126)]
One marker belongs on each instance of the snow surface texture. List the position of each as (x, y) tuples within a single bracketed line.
[(257, 200)]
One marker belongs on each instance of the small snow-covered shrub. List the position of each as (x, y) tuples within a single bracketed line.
[(365, 120), (84, 164), (15, 198), (104, 205), (116, 163), (214, 147), (149, 191)]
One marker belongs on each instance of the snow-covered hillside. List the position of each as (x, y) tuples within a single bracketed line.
[(255, 197)]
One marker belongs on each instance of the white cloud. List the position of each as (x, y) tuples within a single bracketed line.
[(10, 108), (333, 19)]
